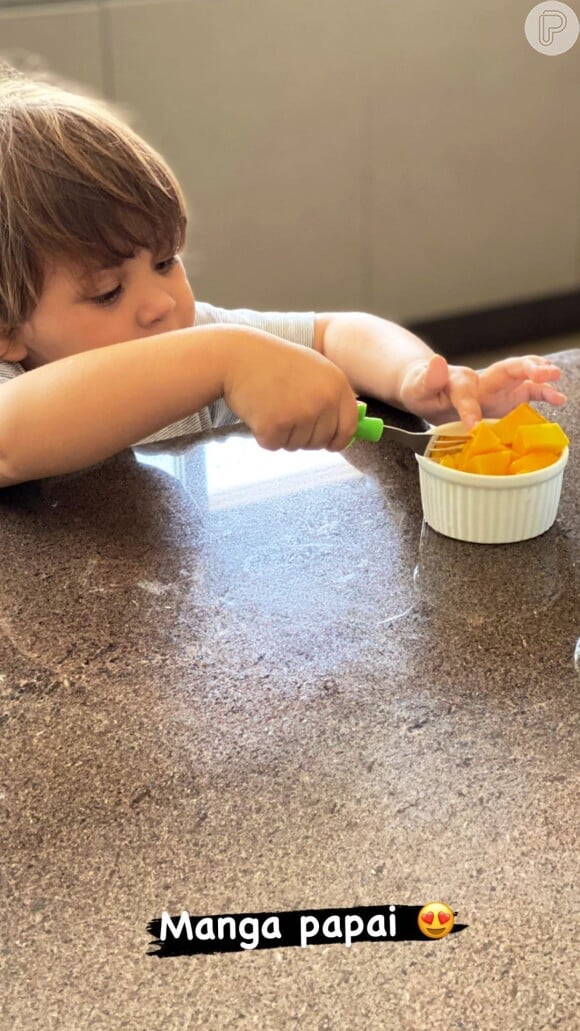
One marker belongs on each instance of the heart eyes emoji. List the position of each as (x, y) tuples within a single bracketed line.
[(435, 920)]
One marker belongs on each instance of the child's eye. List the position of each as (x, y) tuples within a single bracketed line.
[(112, 295), (163, 266), (108, 298)]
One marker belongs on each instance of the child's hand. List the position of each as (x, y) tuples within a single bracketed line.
[(289, 396), (442, 393)]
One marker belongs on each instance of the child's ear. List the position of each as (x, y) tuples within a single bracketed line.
[(12, 350)]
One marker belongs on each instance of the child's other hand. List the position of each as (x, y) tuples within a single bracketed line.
[(442, 393), (289, 396), (508, 383)]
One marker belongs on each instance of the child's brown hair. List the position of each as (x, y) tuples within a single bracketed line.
[(78, 186)]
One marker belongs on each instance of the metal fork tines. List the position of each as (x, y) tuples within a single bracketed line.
[(441, 443)]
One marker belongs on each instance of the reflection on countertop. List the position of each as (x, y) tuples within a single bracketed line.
[(238, 472)]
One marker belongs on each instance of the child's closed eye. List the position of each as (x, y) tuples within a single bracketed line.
[(107, 298), (164, 266), (103, 300)]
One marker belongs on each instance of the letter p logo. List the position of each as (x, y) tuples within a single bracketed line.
[(552, 28), (551, 22)]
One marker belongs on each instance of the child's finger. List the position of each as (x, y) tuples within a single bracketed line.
[(529, 366), (435, 378), (529, 391), (320, 434), (539, 358), (538, 369), (345, 425), (300, 438), (464, 395), (469, 412), (553, 396)]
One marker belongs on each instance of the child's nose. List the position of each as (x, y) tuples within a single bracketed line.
[(155, 307)]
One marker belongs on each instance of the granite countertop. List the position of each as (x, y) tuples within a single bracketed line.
[(240, 682)]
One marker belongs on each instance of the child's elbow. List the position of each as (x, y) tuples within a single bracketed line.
[(9, 480), (8, 475)]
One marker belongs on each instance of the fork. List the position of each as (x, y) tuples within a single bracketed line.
[(444, 439)]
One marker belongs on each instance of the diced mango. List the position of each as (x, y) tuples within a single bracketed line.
[(449, 461), (482, 442), (533, 461), (549, 437), (495, 463), (525, 443), (506, 427)]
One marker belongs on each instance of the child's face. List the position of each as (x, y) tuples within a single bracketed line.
[(139, 299)]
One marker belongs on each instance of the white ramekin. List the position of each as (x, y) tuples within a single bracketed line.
[(489, 509)]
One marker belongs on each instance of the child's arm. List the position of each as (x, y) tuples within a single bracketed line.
[(393, 365), (79, 410)]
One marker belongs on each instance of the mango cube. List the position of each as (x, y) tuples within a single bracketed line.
[(493, 464), (482, 442), (532, 462), (548, 437), (449, 461), (506, 427)]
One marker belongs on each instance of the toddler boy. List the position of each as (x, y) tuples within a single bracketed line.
[(102, 344)]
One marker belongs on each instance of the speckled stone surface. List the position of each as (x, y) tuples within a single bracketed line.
[(235, 682)]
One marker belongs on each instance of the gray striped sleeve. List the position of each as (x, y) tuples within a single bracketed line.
[(10, 370)]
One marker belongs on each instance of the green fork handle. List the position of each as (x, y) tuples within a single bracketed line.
[(368, 428)]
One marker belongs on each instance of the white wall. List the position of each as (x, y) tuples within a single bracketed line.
[(408, 158)]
